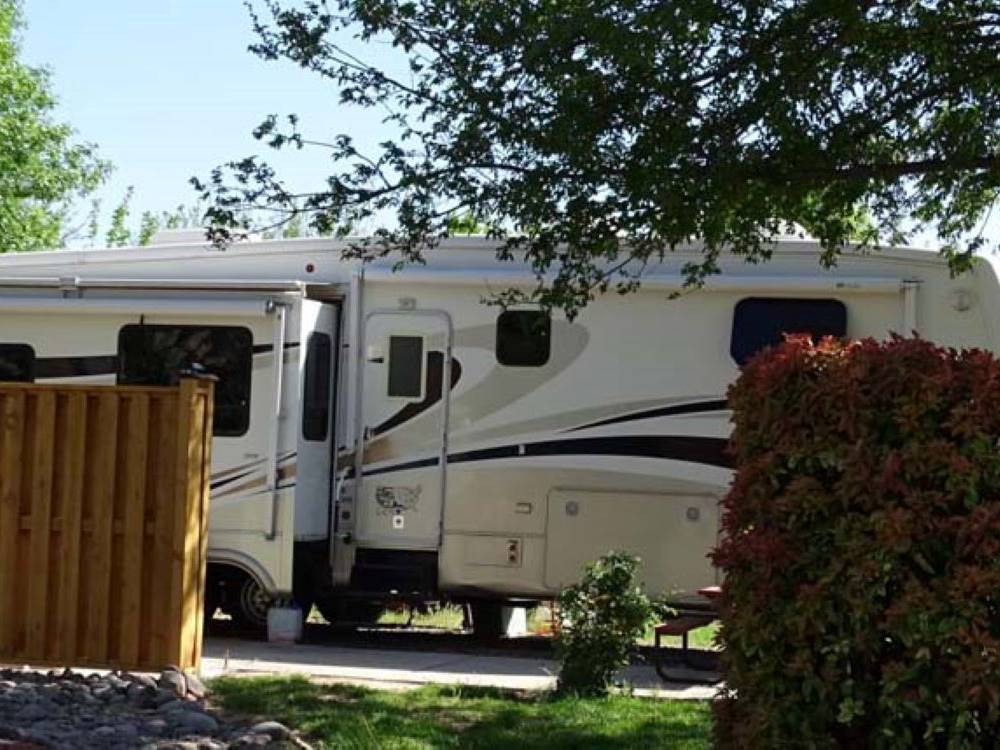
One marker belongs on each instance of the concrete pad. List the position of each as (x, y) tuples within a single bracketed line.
[(396, 669)]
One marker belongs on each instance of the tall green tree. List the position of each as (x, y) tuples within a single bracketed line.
[(42, 168), (595, 137)]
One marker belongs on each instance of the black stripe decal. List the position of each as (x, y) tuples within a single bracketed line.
[(219, 483), (694, 449), (663, 411)]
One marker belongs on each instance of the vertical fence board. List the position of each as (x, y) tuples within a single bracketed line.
[(195, 404), (101, 500), (204, 491), (163, 530), (136, 434), (71, 502), (103, 524), (12, 430), (41, 511)]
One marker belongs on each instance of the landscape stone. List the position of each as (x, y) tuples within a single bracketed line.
[(272, 729), (196, 721), (64, 710), (163, 695), (174, 680), (195, 686)]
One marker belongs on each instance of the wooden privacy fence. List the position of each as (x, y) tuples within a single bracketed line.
[(103, 523)]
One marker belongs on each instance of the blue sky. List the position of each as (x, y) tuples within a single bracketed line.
[(168, 90)]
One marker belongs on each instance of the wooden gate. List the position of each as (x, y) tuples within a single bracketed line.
[(103, 523)]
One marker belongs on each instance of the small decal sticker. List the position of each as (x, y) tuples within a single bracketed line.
[(396, 500), (398, 522)]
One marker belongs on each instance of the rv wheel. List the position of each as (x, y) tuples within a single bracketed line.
[(251, 605)]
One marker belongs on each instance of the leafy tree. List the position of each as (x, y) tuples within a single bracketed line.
[(149, 225), (118, 233), (466, 224), (595, 137), (183, 217), (42, 170)]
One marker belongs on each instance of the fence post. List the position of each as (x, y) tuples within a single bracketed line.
[(194, 461)]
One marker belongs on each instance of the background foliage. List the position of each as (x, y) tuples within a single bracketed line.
[(862, 549), (595, 137), (42, 169)]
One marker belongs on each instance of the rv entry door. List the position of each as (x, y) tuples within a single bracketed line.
[(404, 417), (318, 336)]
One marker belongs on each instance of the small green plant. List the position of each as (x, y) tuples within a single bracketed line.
[(603, 617)]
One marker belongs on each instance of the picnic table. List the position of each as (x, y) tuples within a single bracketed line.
[(682, 624)]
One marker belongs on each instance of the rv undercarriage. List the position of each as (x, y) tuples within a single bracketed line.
[(381, 579)]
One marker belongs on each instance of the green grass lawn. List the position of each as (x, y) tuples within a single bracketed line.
[(342, 716)]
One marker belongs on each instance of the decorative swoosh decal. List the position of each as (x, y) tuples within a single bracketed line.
[(696, 407), (694, 449), (435, 367)]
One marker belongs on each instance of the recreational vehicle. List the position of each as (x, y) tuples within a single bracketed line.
[(386, 435)]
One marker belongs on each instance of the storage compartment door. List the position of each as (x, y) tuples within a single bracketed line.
[(671, 533)]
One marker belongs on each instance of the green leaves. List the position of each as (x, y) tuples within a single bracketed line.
[(593, 138), (861, 548), (41, 169), (602, 618)]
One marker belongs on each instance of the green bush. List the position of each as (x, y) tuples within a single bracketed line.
[(602, 618), (861, 549)]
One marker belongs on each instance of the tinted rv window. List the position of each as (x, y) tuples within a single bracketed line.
[(406, 367), (316, 395), (17, 363), (524, 338), (760, 322), (157, 354)]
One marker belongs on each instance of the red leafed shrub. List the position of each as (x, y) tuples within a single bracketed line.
[(862, 549)]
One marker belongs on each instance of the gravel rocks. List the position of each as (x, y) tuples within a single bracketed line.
[(64, 710)]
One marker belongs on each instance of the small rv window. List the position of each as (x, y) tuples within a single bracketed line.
[(316, 389), (157, 354), (17, 363), (524, 338), (406, 367), (760, 322)]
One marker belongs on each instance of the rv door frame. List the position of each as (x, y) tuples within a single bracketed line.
[(359, 428)]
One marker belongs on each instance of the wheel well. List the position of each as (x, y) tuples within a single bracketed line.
[(222, 580)]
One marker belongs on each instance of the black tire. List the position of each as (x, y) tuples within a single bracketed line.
[(487, 620), (250, 604)]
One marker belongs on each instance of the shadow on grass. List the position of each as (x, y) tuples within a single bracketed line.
[(345, 716)]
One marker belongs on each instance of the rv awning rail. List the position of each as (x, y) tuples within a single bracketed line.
[(129, 306), (659, 282), (75, 282)]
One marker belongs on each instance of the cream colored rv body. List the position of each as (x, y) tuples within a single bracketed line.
[(435, 468)]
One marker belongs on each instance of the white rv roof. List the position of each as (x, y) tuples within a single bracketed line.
[(319, 260)]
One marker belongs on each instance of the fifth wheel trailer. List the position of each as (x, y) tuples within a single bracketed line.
[(385, 435)]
